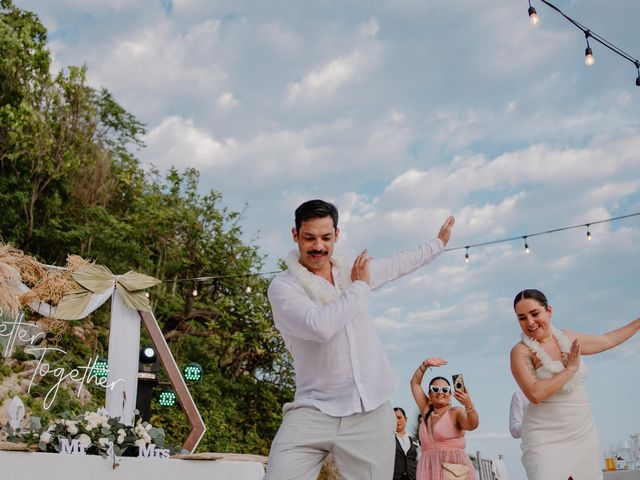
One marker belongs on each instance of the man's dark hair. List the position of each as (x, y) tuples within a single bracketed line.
[(316, 209), (401, 410)]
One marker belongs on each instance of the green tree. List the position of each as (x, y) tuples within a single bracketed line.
[(70, 184)]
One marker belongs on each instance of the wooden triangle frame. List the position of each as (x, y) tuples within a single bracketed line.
[(177, 381)]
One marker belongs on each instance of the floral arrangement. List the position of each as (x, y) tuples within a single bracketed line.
[(95, 431)]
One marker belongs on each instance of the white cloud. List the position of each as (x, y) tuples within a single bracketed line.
[(177, 142), (326, 80), (226, 101)]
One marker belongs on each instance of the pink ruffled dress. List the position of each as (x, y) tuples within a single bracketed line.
[(446, 446)]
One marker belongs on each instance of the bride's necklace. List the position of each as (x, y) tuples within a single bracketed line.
[(564, 344), (553, 366)]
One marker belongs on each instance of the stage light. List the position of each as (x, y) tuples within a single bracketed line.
[(100, 367), (167, 398), (192, 372), (147, 355)]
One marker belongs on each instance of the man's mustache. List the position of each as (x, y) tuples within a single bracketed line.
[(317, 252)]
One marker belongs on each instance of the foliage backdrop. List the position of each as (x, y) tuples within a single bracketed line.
[(70, 183)]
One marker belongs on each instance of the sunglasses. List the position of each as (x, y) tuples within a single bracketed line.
[(438, 389)]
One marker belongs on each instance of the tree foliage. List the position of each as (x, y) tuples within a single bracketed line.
[(70, 183)]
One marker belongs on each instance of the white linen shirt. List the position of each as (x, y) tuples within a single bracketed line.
[(341, 367), (516, 413)]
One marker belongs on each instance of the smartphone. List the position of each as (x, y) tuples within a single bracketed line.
[(458, 382)]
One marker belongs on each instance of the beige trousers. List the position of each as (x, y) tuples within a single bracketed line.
[(362, 444)]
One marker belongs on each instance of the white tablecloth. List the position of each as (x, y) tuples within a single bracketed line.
[(622, 475), (28, 466)]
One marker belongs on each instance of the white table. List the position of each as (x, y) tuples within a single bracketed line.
[(27, 466), (622, 475)]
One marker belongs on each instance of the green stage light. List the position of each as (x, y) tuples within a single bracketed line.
[(193, 372), (167, 398), (100, 368)]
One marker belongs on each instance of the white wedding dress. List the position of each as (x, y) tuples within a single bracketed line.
[(559, 438)]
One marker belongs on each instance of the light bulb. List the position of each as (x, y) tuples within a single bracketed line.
[(533, 16), (248, 290), (588, 57), (588, 235), (466, 258), (195, 292)]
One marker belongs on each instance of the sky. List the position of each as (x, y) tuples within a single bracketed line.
[(403, 112)]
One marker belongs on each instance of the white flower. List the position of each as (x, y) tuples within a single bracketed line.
[(120, 438), (146, 437), (84, 439), (140, 442), (103, 441), (45, 437), (71, 427)]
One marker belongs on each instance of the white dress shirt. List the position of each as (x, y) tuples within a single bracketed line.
[(340, 364), (516, 413), (404, 441)]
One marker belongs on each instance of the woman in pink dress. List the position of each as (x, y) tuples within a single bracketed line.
[(442, 427)]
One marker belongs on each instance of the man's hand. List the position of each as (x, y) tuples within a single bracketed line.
[(445, 230), (360, 269)]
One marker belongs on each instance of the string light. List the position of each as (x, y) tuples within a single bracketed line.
[(248, 289), (194, 293), (546, 232), (588, 53), (466, 247), (533, 15)]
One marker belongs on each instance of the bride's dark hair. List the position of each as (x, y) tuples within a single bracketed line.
[(532, 294)]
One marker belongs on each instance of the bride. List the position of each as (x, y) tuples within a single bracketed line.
[(559, 439)]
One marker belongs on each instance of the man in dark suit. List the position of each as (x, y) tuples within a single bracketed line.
[(406, 449)]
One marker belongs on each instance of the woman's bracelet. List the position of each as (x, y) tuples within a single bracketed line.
[(469, 410), (425, 367)]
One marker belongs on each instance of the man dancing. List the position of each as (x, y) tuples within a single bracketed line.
[(343, 377)]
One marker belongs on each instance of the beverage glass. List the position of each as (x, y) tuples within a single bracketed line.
[(609, 461)]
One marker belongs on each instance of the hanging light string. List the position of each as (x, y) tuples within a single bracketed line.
[(529, 235), (196, 280), (525, 237), (588, 33)]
